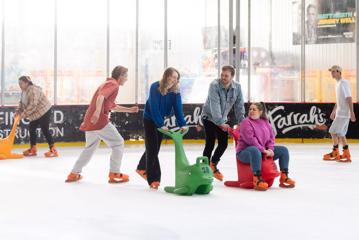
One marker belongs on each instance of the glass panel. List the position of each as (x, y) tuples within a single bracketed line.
[(330, 32), (193, 45), (243, 52), (123, 45), (29, 46), (151, 45), (224, 60), (275, 60), (81, 49)]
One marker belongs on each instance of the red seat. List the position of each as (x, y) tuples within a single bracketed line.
[(245, 174)]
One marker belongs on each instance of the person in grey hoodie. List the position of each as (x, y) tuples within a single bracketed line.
[(223, 94)]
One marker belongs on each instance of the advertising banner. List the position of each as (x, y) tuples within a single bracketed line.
[(289, 120), (326, 21)]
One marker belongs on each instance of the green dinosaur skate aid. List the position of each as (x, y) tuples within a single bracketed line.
[(190, 179)]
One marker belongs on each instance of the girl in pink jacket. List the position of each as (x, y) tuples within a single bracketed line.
[(256, 139)]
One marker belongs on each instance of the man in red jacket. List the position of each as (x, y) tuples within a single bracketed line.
[(97, 127)]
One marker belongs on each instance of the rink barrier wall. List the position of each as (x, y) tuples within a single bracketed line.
[(292, 122), (187, 141)]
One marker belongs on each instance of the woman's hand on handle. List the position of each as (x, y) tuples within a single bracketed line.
[(184, 129), (164, 128), (269, 153), (18, 115)]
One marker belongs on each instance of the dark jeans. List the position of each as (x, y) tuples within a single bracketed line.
[(213, 132), (44, 123), (253, 156), (149, 160)]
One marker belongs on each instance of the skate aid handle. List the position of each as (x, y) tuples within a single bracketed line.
[(170, 132), (183, 133), (203, 158)]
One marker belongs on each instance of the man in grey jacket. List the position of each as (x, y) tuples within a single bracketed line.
[(223, 94)]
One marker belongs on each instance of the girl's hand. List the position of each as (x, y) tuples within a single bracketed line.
[(164, 128), (183, 129), (134, 109), (269, 153), (17, 115)]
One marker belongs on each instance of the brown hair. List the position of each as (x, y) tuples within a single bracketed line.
[(163, 82), (229, 68), (261, 107), (118, 71), (26, 79)]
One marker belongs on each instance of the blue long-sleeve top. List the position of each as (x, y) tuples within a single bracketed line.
[(158, 107)]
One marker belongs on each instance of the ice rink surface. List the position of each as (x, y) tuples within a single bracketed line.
[(35, 203)]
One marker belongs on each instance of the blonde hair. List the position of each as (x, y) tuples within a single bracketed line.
[(163, 82)]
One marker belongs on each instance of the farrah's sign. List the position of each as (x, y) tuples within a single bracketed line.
[(283, 120)]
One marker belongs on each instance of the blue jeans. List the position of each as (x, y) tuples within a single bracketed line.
[(253, 156)]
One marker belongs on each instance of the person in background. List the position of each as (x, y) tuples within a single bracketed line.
[(341, 115), (35, 107)]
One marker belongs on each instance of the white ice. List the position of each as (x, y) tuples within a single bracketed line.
[(35, 203)]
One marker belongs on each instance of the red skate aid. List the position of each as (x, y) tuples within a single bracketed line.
[(245, 174)]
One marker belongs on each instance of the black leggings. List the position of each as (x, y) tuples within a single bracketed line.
[(149, 160), (44, 123), (212, 132)]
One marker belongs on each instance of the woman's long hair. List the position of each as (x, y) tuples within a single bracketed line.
[(164, 84)]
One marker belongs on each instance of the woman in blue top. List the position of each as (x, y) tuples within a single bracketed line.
[(163, 100)]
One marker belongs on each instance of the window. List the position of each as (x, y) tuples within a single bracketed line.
[(81, 49), (123, 45), (151, 45), (29, 46), (192, 45), (329, 44), (83, 56), (275, 60)]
